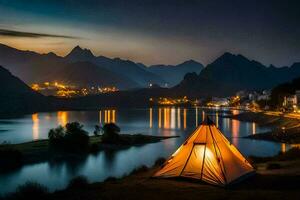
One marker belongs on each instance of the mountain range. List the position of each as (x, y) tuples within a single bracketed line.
[(17, 97), (82, 68), (172, 74), (225, 76), (230, 73)]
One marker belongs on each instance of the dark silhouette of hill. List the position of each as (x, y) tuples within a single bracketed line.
[(87, 74), (28, 65), (34, 67), (285, 89), (16, 97), (79, 54), (124, 68), (231, 73), (173, 74)]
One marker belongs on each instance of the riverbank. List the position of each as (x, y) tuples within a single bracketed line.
[(17, 155), (276, 178), (284, 129)]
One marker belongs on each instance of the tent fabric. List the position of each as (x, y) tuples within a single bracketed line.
[(208, 156)]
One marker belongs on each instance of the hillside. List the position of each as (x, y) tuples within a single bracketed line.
[(87, 74), (231, 73), (33, 67), (17, 97), (173, 74), (124, 68)]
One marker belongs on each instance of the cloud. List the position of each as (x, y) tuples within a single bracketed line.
[(13, 33)]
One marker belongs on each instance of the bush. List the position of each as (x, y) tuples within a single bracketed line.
[(76, 137), (97, 130), (111, 133), (79, 182), (111, 178), (10, 159), (56, 136), (159, 162), (140, 169), (273, 166), (30, 190), (70, 138)]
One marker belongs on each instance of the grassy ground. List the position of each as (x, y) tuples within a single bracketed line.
[(280, 183), (276, 177)]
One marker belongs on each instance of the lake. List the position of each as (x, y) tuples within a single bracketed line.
[(163, 121)]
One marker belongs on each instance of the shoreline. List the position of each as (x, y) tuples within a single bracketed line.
[(276, 177), (284, 129), (38, 151)]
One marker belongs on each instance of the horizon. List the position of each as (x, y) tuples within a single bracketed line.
[(155, 32), (155, 64)]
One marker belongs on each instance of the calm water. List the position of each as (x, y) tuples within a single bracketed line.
[(156, 121)]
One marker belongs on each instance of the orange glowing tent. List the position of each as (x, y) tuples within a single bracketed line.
[(208, 156)]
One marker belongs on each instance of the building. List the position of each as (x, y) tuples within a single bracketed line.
[(297, 93), (290, 101), (219, 102), (264, 96)]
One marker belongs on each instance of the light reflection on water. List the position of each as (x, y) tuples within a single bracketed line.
[(153, 121)]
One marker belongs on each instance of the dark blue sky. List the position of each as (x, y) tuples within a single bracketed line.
[(156, 31)]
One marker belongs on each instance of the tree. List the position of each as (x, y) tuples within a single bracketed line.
[(76, 138), (97, 130), (111, 133), (70, 138), (56, 135)]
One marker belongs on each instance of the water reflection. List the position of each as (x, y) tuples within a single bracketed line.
[(166, 118), (109, 116), (235, 126), (35, 126), (154, 121), (253, 128), (113, 116), (173, 118), (159, 118), (196, 117), (62, 118), (283, 147), (150, 117), (178, 118), (184, 118), (217, 119), (100, 117)]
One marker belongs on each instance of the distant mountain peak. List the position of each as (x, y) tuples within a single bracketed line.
[(77, 48), (79, 53), (190, 62), (228, 57)]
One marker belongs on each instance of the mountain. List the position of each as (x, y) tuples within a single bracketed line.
[(174, 74), (282, 90), (28, 65), (231, 73), (87, 74), (33, 67), (17, 97), (79, 54), (125, 68)]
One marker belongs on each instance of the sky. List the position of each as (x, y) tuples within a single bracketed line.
[(156, 31)]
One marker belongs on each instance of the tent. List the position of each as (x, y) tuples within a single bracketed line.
[(208, 156)]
